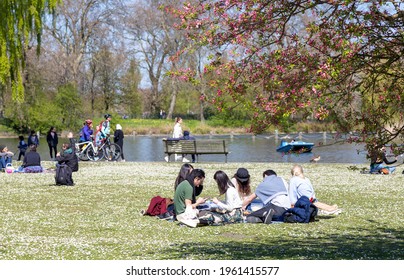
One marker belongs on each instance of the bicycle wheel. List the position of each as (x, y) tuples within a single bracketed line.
[(81, 151), (112, 152), (95, 155), (82, 156)]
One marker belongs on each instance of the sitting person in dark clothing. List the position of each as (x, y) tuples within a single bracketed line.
[(187, 137), (378, 161), (67, 163), (68, 156), (32, 161)]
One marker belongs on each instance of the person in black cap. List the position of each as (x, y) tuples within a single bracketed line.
[(241, 180)]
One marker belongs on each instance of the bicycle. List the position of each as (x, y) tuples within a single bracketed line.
[(111, 151), (88, 151)]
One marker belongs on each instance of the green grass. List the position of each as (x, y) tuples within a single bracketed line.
[(165, 127), (99, 218)]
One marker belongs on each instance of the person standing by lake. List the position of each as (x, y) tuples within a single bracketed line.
[(177, 133), (52, 139), (86, 131), (22, 147), (118, 139), (105, 126), (33, 139)]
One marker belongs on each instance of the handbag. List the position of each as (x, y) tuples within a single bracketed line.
[(384, 171), (9, 168)]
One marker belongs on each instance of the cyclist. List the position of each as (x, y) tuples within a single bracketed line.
[(86, 131), (105, 126)]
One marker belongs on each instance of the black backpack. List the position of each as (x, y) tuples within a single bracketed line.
[(63, 175)]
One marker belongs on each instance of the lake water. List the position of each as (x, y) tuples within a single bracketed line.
[(243, 148)]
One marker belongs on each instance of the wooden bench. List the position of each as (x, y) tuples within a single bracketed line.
[(196, 147)]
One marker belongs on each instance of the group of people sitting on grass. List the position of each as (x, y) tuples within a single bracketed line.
[(32, 160), (274, 200)]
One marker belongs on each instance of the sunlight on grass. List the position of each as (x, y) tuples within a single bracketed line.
[(99, 218)]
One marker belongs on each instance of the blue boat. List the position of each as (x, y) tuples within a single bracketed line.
[(295, 147)]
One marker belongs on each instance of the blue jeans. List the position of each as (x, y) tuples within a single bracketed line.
[(4, 161), (375, 168)]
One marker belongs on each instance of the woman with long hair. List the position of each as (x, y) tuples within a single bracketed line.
[(241, 181), (186, 169), (227, 211)]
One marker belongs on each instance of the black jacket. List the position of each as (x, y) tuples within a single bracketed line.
[(118, 137), (52, 141), (70, 159)]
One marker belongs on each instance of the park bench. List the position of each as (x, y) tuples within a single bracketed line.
[(196, 147)]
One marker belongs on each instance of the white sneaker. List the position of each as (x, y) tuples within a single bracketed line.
[(185, 160), (166, 158)]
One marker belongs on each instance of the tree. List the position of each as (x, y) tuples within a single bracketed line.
[(77, 25), (131, 98), (20, 20), (338, 60), (150, 45)]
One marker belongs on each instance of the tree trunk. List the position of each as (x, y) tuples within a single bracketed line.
[(173, 99)]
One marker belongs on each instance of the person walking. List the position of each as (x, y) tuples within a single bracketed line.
[(52, 139), (118, 139)]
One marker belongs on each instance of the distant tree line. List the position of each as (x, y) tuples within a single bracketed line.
[(88, 57)]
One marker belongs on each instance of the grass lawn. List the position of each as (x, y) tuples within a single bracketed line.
[(99, 218)]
